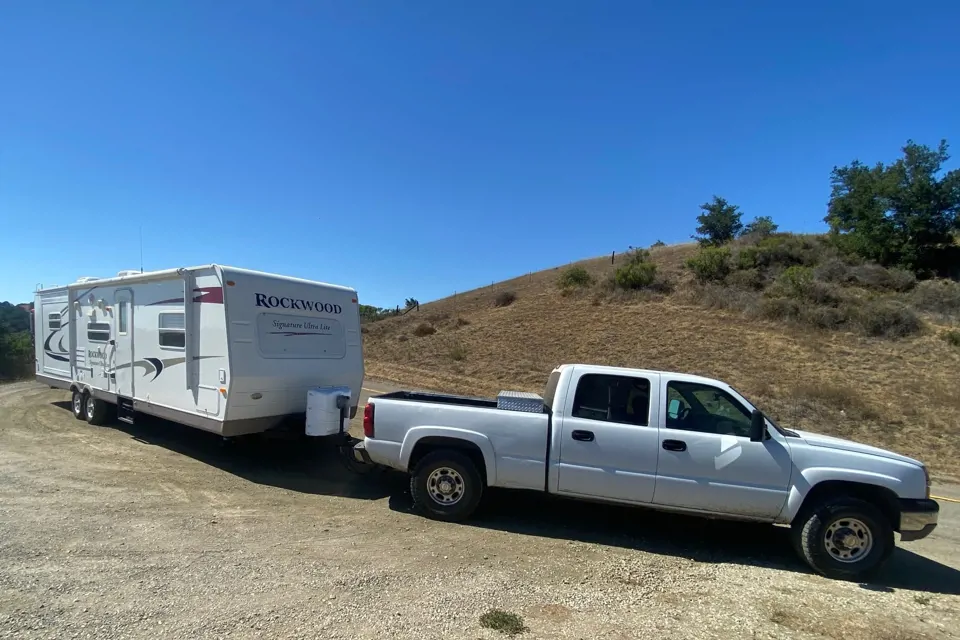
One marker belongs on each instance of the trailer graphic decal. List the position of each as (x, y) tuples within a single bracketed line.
[(63, 355), (156, 366), (213, 295)]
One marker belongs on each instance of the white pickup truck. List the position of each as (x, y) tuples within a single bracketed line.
[(663, 440)]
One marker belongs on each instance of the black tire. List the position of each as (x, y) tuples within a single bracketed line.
[(96, 411), (464, 495), (78, 403), (810, 536)]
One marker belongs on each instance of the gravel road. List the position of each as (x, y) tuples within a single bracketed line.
[(161, 531)]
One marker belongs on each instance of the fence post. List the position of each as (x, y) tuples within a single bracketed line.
[(613, 254)]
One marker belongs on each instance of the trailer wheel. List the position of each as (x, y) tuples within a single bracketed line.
[(446, 486), (96, 411), (79, 404), (844, 539)]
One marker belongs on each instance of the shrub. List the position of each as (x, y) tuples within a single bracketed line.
[(746, 279), (658, 243), (635, 275), (504, 299), (952, 337), (458, 352), (424, 329), (834, 270), (746, 258), (502, 621), (711, 264), (573, 277), (874, 276), (794, 282), (787, 250), (779, 308), (937, 296), (887, 318), (823, 317), (461, 322)]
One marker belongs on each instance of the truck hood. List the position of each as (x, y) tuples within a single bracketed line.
[(829, 442)]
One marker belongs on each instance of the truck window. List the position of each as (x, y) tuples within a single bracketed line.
[(171, 332), (122, 317), (621, 399), (98, 332), (692, 406)]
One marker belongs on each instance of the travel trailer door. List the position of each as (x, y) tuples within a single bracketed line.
[(123, 349)]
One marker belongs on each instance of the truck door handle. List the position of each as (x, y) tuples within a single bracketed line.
[(674, 445), (582, 436)]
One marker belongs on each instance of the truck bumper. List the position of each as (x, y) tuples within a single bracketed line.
[(918, 518)]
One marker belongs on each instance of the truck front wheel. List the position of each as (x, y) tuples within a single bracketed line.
[(446, 485), (844, 539)]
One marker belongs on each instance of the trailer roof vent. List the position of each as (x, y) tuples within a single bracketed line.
[(83, 279), (128, 272)]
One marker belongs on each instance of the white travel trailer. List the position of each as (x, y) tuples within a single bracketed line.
[(226, 350)]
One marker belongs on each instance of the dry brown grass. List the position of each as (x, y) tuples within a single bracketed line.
[(900, 395)]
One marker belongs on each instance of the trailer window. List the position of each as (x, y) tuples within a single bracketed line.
[(122, 317), (53, 320), (98, 332), (172, 332)]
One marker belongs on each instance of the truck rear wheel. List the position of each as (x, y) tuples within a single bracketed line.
[(446, 485), (844, 539), (78, 403)]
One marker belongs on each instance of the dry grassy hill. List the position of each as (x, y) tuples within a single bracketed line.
[(899, 394)]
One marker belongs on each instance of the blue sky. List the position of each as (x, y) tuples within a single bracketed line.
[(421, 148)]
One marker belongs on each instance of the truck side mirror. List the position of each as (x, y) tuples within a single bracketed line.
[(758, 426)]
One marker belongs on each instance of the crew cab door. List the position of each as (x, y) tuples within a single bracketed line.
[(707, 461), (608, 441)]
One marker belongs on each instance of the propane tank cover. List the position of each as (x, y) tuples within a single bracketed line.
[(323, 414)]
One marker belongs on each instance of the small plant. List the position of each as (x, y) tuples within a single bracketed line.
[(574, 277), (658, 243), (502, 621), (635, 275), (424, 329), (952, 337), (711, 264), (461, 322), (922, 600), (458, 353), (504, 299)]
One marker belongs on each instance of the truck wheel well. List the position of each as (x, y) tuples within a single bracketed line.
[(435, 443), (881, 497)]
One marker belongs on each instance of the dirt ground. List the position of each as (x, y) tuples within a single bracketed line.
[(161, 531)]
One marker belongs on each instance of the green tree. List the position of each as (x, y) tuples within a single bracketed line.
[(760, 227), (411, 303), (902, 214), (719, 223)]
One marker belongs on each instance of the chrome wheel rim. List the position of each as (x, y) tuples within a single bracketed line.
[(77, 404), (445, 486), (848, 540), (90, 406)]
